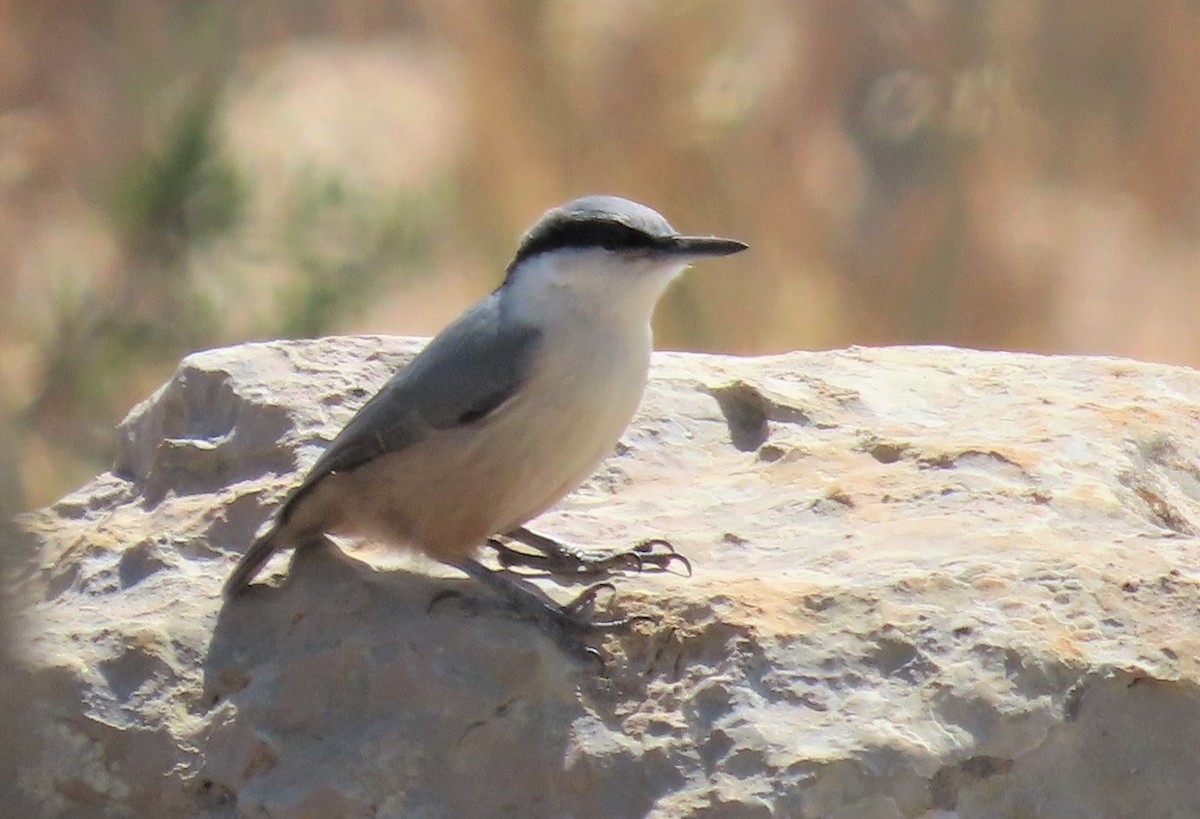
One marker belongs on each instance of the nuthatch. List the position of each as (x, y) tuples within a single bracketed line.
[(508, 409)]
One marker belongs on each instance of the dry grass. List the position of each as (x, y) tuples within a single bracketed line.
[(1003, 175)]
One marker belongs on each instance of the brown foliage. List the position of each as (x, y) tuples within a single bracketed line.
[(1003, 175)]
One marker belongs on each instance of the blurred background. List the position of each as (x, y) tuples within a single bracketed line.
[(178, 175)]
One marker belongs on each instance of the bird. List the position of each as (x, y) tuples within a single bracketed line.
[(507, 410)]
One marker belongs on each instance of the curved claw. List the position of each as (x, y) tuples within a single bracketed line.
[(687, 564), (640, 618), (650, 543), (555, 558), (588, 596), (659, 561), (444, 594), (593, 655)]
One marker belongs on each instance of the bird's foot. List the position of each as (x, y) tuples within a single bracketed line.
[(562, 560), (565, 623)]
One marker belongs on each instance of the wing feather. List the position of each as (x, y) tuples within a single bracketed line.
[(463, 375)]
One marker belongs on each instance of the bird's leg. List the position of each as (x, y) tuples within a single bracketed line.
[(559, 559), (563, 623)]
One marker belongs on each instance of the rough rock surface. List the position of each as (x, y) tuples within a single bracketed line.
[(928, 583)]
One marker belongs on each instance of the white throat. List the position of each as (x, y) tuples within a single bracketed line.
[(591, 288)]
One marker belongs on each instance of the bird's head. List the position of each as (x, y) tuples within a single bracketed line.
[(608, 252)]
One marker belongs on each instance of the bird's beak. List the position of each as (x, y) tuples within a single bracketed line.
[(699, 247)]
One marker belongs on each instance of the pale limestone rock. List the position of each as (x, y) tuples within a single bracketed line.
[(929, 583)]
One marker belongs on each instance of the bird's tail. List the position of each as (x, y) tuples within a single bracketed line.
[(252, 561)]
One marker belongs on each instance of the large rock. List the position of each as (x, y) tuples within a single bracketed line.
[(928, 583)]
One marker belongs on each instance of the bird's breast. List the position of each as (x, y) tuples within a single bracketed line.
[(580, 397)]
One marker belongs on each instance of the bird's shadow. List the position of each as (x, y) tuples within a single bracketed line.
[(325, 597), (340, 655)]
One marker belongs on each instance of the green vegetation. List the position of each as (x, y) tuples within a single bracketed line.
[(341, 243), (104, 340), (108, 345)]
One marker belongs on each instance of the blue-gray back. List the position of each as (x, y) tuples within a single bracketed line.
[(469, 369)]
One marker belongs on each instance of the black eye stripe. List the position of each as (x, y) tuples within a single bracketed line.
[(575, 233)]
